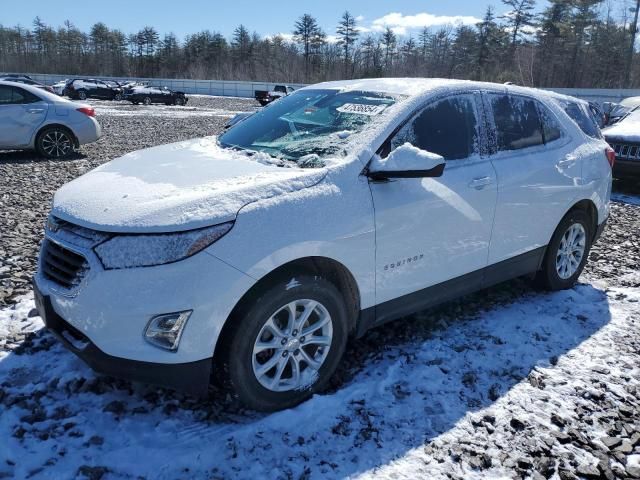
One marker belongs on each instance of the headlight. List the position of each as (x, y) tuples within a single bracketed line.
[(129, 251)]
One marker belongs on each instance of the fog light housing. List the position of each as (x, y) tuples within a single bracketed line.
[(164, 331)]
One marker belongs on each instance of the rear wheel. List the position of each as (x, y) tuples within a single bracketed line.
[(146, 100), (82, 95), (286, 344), (55, 142), (179, 101), (567, 252), (118, 97)]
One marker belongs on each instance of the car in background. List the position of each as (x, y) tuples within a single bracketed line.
[(26, 80), (83, 88), (150, 94), (34, 119), (614, 112), (265, 97), (60, 87), (256, 255), (624, 138)]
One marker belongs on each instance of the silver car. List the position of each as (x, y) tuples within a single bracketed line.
[(32, 119)]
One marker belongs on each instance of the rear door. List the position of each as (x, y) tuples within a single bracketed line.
[(21, 113), (430, 230), (538, 175)]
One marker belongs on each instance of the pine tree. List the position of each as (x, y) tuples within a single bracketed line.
[(347, 36)]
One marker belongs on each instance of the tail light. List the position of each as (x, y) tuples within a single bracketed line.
[(87, 111), (611, 156)]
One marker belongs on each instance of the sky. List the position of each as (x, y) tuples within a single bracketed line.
[(265, 17)]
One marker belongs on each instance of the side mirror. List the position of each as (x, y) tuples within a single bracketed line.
[(406, 161)]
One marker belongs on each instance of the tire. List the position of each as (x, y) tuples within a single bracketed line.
[(82, 95), (146, 100), (118, 97), (179, 101), (560, 270), (270, 308), (55, 142)]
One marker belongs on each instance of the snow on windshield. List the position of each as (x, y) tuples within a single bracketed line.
[(309, 125)]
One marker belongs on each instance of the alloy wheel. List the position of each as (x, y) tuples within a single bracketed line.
[(56, 143), (292, 346), (571, 251)]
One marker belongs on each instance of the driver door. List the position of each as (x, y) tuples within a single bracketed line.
[(435, 230)]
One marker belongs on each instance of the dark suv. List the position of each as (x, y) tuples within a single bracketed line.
[(83, 88)]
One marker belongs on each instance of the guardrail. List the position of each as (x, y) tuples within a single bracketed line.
[(246, 89)]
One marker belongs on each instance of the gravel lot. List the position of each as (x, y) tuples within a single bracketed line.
[(554, 396)]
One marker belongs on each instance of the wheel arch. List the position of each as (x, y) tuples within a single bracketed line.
[(332, 270), (586, 205), (44, 127)]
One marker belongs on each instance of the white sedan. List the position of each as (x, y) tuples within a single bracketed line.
[(342, 206), (32, 119)]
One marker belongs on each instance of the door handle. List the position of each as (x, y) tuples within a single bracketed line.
[(35, 110), (480, 183)]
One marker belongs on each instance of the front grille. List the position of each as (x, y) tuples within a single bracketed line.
[(62, 266), (625, 151)]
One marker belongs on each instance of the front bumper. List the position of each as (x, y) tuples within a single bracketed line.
[(626, 167), (191, 377)]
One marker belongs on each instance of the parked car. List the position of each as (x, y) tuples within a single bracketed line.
[(26, 80), (83, 88), (345, 205), (31, 118), (624, 138), (59, 87), (264, 97), (148, 95)]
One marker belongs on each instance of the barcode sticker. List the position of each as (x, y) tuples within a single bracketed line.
[(361, 109)]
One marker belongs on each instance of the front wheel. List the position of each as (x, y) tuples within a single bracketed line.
[(287, 344), (118, 97), (146, 100), (82, 95), (567, 252)]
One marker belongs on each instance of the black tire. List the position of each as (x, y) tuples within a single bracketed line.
[(118, 97), (238, 349), (179, 101), (55, 142), (548, 277), (82, 94), (146, 100)]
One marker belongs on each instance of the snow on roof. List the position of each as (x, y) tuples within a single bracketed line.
[(414, 87)]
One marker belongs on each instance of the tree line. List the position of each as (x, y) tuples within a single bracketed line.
[(568, 43)]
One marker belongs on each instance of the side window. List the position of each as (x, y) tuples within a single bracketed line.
[(517, 122), (585, 121), (22, 96), (550, 128), (448, 127), (6, 95)]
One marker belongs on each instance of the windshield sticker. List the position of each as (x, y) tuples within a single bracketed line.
[(361, 109)]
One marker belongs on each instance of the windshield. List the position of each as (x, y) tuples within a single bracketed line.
[(308, 125)]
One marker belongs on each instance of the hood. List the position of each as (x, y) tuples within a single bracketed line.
[(175, 187), (627, 130)]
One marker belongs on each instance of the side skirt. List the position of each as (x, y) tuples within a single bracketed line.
[(524, 264)]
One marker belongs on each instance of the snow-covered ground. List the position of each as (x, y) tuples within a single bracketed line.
[(476, 399)]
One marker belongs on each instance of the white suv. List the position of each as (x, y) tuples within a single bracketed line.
[(256, 255)]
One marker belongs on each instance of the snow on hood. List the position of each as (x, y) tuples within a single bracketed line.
[(175, 187), (628, 129)]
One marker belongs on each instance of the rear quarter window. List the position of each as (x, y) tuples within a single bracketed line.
[(583, 117)]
